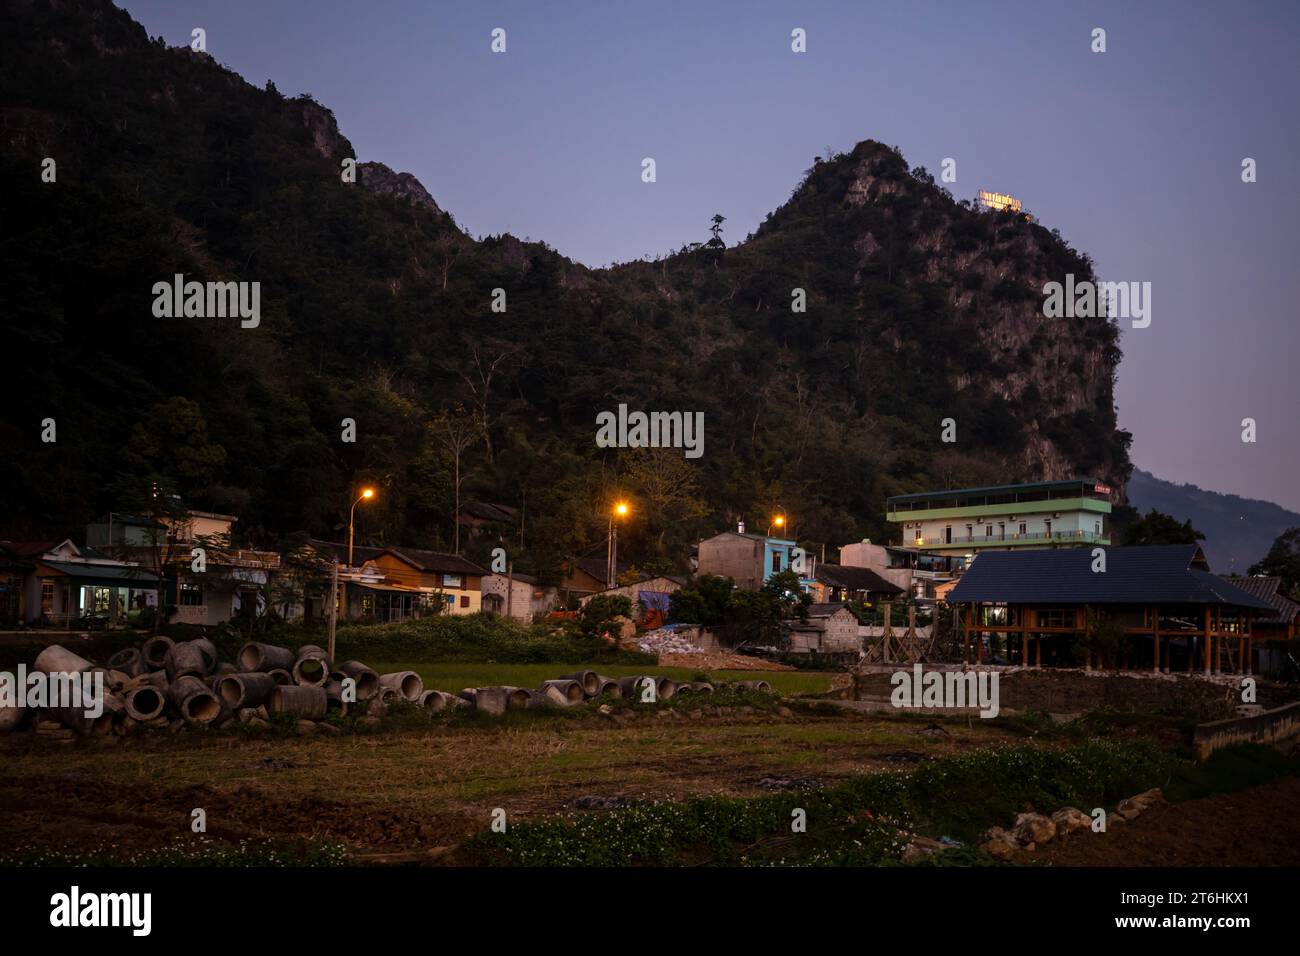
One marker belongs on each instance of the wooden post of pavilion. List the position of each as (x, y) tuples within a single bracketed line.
[(1209, 641), (1024, 637), (1155, 640), (965, 633)]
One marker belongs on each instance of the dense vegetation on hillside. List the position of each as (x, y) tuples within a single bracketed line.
[(377, 308)]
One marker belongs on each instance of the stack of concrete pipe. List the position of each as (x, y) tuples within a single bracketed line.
[(165, 683)]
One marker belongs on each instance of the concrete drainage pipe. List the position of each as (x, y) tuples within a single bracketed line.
[(154, 652), (254, 656), (589, 680), (246, 690), (309, 703), (367, 680), (312, 668), (194, 701), (407, 683), (566, 691), (144, 703)]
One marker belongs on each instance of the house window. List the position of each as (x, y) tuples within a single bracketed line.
[(47, 597), (1096, 527), (450, 599), (1022, 527), (464, 600), (1002, 530), (1049, 527), (191, 595), (988, 531), (776, 562), (451, 581), (947, 535)]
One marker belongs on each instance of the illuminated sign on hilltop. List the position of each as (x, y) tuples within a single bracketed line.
[(999, 201)]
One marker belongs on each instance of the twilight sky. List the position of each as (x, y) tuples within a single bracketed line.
[(1134, 154)]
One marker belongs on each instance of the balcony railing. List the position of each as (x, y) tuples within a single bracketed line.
[(1086, 537)]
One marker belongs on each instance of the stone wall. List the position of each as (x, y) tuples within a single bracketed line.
[(1270, 727)]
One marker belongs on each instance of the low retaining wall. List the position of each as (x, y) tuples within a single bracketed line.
[(1071, 691), (1270, 727)]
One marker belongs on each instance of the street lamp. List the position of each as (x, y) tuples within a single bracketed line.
[(777, 522), (620, 510), (366, 495)]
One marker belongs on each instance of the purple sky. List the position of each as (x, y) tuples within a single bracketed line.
[(1134, 154)]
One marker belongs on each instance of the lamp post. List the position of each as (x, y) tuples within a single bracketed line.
[(338, 588), (619, 510), (778, 522), (366, 495)]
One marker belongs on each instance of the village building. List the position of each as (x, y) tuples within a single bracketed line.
[(1271, 631), (586, 576), (650, 595), (920, 574), (831, 628), (59, 583), (965, 521), (1156, 608), (751, 559), (205, 579), (837, 583), (518, 596)]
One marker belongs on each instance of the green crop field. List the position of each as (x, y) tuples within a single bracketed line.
[(456, 676)]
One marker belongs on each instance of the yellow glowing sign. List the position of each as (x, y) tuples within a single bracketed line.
[(999, 201)]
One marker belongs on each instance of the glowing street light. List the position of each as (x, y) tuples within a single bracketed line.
[(366, 495), (777, 522), (620, 510)]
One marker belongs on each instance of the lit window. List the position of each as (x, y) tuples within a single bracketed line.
[(191, 595)]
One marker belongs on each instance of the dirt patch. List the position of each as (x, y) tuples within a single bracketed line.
[(403, 792), (1255, 827), (721, 661)]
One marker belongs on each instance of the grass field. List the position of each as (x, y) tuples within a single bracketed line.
[(454, 677), (410, 789)]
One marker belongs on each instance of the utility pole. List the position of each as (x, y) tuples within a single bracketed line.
[(510, 586), (334, 602)]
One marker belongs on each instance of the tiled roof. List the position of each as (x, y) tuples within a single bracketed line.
[(1266, 589), (438, 561), (854, 579), (1159, 574)]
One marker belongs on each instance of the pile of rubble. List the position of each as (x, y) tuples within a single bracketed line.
[(165, 684), (667, 640), (1031, 830)]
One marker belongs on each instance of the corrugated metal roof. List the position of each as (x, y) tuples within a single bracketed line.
[(1158, 574)]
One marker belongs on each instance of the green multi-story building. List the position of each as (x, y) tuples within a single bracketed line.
[(1044, 514)]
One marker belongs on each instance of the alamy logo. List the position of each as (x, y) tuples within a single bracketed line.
[(946, 689), (626, 429), (1082, 300), (208, 300), (74, 908), (58, 691)]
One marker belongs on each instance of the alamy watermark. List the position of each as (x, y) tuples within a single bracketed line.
[(624, 429), (1083, 300), (212, 300), (56, 691), (946, 689)]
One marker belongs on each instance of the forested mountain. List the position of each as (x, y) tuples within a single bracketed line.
[(1238, 531), (376, 307)]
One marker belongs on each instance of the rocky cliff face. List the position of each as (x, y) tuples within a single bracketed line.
[(382, 181)]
